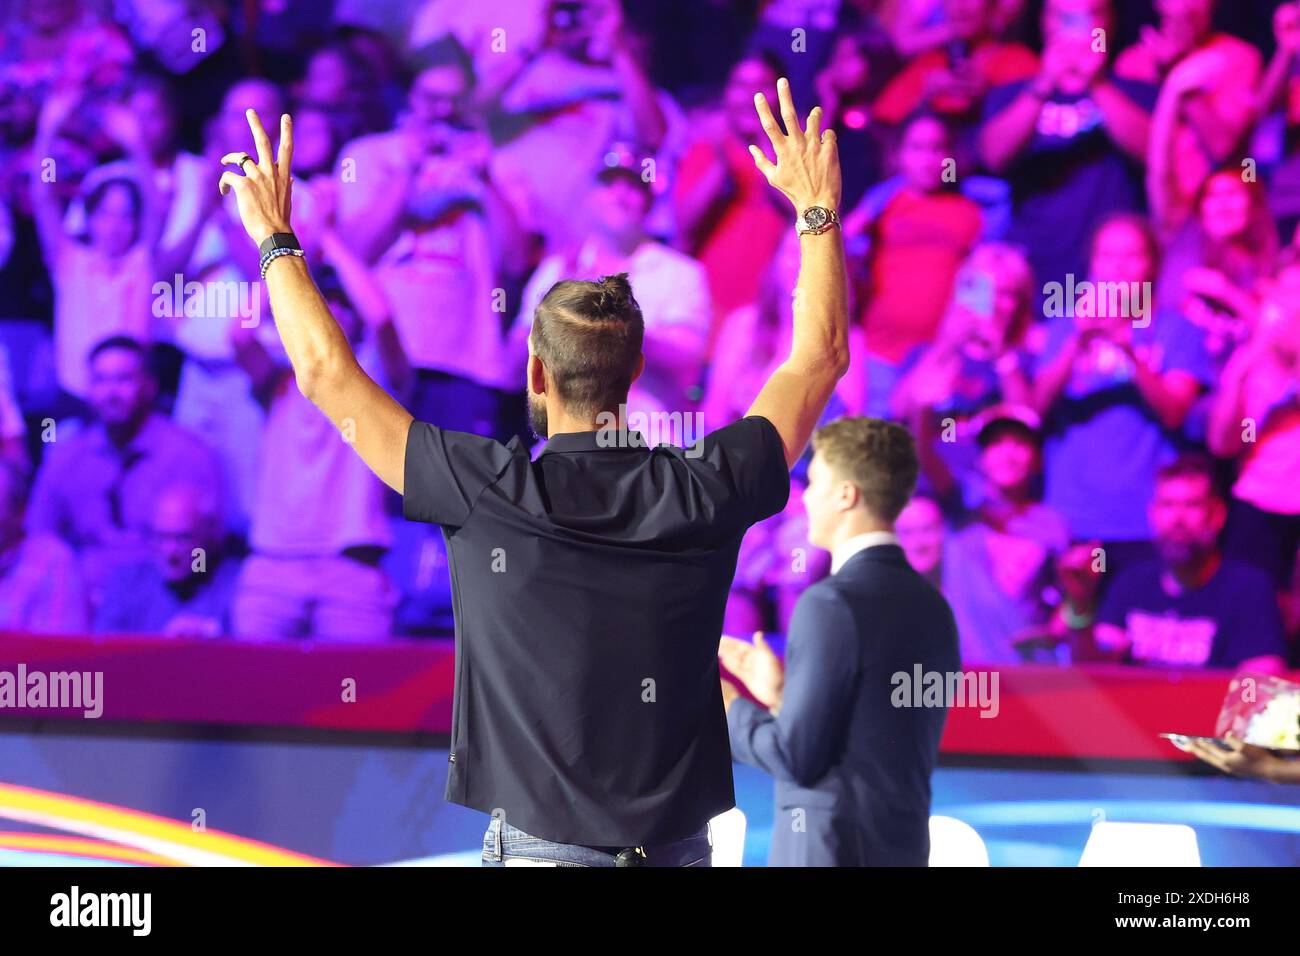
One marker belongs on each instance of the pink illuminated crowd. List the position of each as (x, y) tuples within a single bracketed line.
[(1073, 245)]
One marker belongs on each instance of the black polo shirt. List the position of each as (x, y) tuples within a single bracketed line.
[(589, 591)]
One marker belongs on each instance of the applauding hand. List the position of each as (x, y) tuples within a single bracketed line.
[(757, 667)]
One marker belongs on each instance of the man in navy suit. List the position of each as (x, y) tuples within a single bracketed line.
[(851, 754)]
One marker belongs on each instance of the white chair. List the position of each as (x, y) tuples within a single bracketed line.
[(1141, 844), (955, 843), (728, 833)]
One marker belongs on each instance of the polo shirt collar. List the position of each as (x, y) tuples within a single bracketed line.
[(596, 440)]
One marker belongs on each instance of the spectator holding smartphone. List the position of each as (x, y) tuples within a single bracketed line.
[(1110, 379), (952, 79), (979, 359), (1071, 140), (585, 89), (426, 214), (1207, 90)]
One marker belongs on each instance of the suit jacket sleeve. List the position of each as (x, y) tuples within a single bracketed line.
[(821, 678)]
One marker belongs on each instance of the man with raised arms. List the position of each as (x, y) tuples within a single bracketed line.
[(589, 583)]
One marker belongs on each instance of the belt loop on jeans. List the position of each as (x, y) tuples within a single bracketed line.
[(498, 851)]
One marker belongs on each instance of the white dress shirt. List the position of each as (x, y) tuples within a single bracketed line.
[(859, 542)]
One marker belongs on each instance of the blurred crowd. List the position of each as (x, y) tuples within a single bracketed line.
[(1072, 228)]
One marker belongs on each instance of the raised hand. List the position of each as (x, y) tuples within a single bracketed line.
[(807, 167), (262, 187)]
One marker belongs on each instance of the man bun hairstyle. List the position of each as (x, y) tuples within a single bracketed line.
[(877, 456), (615, 295), (589, 337)]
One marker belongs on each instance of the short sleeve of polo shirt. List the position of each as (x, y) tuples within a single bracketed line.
[(446, 471), (749, 456)]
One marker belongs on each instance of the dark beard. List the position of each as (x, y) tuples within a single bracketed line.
[(537, 416), (1184, 554)]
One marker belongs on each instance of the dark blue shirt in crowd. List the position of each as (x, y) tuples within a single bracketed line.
[(589, 591), (1068, 178), (852, 770), (1103, 443), (1232, 617), (139, 600)]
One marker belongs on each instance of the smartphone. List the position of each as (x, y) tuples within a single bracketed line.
[(974, 292)]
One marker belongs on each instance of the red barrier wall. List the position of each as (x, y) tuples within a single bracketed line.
[(406, 686)]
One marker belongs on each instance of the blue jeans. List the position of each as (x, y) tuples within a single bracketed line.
[(504, 845)]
